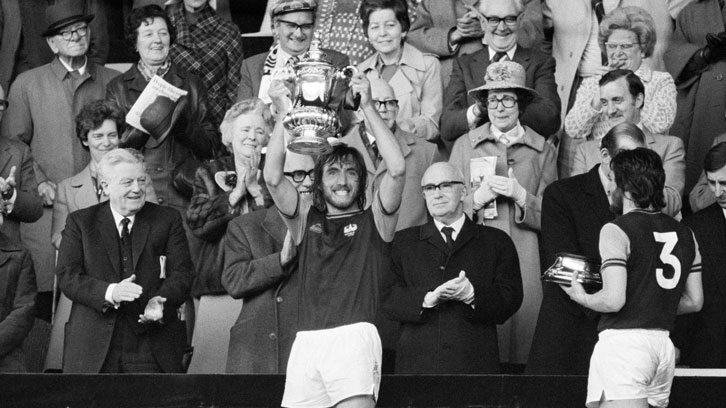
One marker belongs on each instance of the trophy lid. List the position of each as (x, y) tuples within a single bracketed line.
[(314, 55)]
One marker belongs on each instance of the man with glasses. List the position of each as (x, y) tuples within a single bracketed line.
[(500, 20), (417, 153), (43, 104), (450, 283), (293, 22), (260, 267)]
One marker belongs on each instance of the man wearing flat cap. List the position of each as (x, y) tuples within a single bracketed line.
[(293, 22), (42, 105)]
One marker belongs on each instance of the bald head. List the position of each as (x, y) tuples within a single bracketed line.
[(381, 91), (444, 190)]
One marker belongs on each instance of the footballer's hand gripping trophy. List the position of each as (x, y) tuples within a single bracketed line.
[(320, 88)]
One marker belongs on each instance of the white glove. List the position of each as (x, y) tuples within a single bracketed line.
[(464, 290), (484, 194), (509, 187), (459, 289)]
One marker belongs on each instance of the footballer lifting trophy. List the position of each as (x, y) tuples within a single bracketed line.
[(320, 89), (567, 264)]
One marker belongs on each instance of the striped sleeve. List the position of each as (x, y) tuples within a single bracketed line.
[(696, 265), (614, 246)]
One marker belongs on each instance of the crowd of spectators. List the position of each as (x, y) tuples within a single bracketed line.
[(527, 100)]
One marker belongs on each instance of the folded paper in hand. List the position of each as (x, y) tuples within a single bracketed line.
[(156, 90)]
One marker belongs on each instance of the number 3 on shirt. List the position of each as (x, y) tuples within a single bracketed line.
[(669, 240)]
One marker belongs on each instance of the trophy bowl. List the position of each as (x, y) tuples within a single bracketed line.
[(310, 127), (320, 88), (567, 264)]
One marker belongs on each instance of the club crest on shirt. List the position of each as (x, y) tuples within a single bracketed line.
[(350, 229), (316, 228)]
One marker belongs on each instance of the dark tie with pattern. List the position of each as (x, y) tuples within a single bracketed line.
[(499, 56), (448, 232), (127, 260)]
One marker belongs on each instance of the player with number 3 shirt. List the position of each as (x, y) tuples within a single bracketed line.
[(651, 271)]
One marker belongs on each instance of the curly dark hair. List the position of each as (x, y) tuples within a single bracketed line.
[(399, 7), (341, 153), (145, 15), (92, 116), (640, 173)]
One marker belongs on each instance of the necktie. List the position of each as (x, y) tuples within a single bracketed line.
[(292, 61), (127, 265), (373, 152), (448, 232), (599, 10), (498, 56)]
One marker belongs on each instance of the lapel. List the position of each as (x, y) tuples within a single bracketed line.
[(6, 157), (84, 193), (521, 56), (479, 64), (140, 233), (596, 196), (468, 232), (428, 232), (106, 229), (273, 225)]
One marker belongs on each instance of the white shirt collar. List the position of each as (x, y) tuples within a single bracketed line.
[(81, 70), (117, 220), (282, 58), (456, 225), (510, 53), (514, 135), (724, 211)]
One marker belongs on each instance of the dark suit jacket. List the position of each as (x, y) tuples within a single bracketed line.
[(249, 83), (89, 261), (452, 338), (573, 212), (28, 206), (542, 115), (17, 302), (261, 339), (703, 338)]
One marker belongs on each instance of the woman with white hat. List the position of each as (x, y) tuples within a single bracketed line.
[(510, 196)]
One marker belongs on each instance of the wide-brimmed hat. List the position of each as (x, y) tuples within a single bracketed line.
[(63, 13), (503, 75), (288, 6)]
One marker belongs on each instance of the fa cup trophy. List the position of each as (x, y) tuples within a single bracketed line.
[(320, 89)]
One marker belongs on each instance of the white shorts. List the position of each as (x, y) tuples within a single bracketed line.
[(632, 364), (328, 366)]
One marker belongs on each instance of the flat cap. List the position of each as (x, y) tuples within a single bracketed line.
[(288, 6)]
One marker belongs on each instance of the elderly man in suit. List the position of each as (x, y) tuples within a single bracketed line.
[(43, 104), (417, 153), (292, 27), (451, 28), (125, 264), (573, 211), (703, 341), (500, 19), (622, 94), (259, 267), (450, 283)]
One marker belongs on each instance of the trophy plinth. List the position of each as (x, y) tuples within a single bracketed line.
[(317, 85), (567, 264)]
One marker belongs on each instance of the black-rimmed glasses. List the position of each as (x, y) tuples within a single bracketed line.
[(507, 101), (299, 175), (444, 187), (294, 26), (68, 34), (494, 21), (389, 104)]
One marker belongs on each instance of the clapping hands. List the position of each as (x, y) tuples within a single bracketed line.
[(459, 289)]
